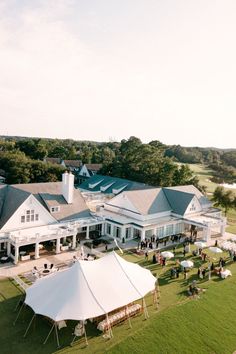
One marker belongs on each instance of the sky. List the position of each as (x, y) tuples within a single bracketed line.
[(106, 70)]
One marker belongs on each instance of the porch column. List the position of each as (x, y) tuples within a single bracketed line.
[(87, 233), (74, 241), (16, 257), (58, 244), (142, 235), (112, 231), (207, 233), (164, 231), (122, 234), (36, 253), (8, 248), (131, 232), (223, 226), (155, 232), (103, 229)]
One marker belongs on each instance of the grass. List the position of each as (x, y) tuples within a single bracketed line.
[(204, 174), (231, 219), (181, 325)]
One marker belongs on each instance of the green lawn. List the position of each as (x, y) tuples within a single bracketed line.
[(181, 325), (204, 174)]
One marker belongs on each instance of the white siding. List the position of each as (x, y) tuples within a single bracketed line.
[(30, 203), (84, 171), (194, 207)]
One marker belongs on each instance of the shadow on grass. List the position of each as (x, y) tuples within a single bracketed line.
[(12, 340)]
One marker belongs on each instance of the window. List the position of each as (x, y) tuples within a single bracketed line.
[(169, 230), (117, 232), (127, 232), (108, 229), (55, 209), (192, 208), (29, 216), (160, 232)]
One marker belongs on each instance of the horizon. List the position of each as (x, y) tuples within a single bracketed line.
[(112, 141), (107, 71)]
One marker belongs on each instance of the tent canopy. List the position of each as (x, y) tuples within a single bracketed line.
[(90, 288)]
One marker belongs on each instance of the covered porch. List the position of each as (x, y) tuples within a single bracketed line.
[(28, 243)]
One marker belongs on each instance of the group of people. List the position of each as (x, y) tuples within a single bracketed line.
[(157, 258), (147, 243), (174, 272), (201, 272), (194, 290)]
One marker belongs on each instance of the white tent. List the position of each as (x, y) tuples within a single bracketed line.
[(90, 289)]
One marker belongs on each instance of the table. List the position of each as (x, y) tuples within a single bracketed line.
[(45, 272), (119, 316), (225, 273)]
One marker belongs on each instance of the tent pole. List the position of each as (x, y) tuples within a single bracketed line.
[(18, 313), (155, 299), (49, 334), (128, 317), (158, 288), (18, 303), (58, 344), (85, 334), (29, 325), (145, 309)]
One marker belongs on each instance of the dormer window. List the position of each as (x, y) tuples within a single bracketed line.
[(55, 209)]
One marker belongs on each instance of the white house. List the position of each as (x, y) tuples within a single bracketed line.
[(31, 214), (160, 212), (38, 212)]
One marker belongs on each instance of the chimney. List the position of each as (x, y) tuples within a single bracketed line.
[(68, 186)]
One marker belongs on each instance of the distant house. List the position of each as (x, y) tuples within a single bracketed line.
[(72, 165), (53, 160), (88, 170), (38, 212)]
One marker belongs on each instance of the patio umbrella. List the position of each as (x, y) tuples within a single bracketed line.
[(215, 250), (186, 264), (167, 254), (200, 244)]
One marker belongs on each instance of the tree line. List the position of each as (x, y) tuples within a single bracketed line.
[(153, 163)]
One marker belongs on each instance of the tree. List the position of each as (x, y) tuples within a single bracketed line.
[(224, 198)]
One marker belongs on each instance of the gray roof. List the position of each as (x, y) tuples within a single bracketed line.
[(149, 201), (48, 194), (117, 183), (157, 200), (73, 163), (54, 160), (179, 197), (178, 200), (11, 201)]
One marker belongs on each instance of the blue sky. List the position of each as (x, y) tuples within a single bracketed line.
[(100, 70)]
